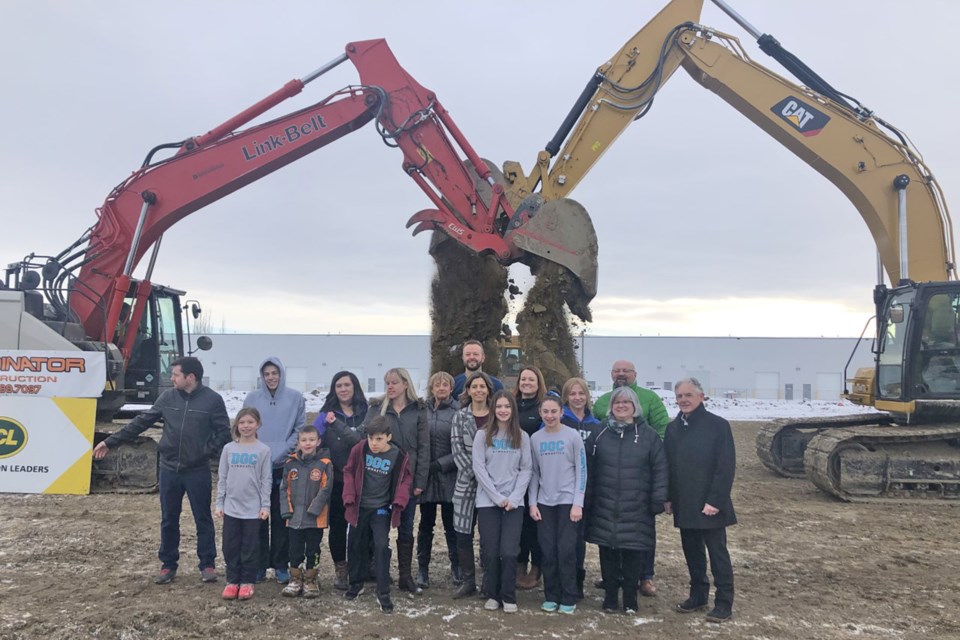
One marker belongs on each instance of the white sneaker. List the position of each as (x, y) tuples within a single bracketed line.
[(509, 607), (491, 604)]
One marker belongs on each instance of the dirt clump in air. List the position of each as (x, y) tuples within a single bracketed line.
[(544, 325), (466, 302)]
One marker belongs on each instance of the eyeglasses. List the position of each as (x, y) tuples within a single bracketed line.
[(623, 371)]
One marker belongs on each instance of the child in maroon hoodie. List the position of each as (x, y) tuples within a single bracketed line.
[(376, 489)]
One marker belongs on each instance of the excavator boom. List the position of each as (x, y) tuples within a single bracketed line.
[(468, 204), (918, 348)]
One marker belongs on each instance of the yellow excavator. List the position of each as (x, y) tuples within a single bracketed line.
[(913, 449)]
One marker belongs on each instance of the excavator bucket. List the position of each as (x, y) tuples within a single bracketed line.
[(560, 231)]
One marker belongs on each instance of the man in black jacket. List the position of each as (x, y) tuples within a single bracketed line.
[(702, 461), (195, 428)]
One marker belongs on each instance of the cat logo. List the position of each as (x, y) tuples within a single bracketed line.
[(801, 116), (13, 437)]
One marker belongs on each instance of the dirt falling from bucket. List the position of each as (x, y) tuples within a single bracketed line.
[(544, 326), (466, 302)]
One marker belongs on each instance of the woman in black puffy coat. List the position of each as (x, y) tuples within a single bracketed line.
[(626, 489), (441, 408)]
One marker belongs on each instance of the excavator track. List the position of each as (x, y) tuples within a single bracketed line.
[(887, 463), (127, 468), (781, 444)]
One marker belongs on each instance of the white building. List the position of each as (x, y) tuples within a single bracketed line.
[(785, 368)]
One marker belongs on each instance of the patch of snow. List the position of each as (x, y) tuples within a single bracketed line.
[(735, 409)]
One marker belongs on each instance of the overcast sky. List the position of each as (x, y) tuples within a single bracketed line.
[(706, 225)]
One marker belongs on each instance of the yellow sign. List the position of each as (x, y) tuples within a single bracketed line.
[(46, 444)]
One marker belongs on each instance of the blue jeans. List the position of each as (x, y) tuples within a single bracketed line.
[(197, 485)]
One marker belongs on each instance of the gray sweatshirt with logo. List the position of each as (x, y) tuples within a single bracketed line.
[(559, 468), (502, 472), (244, 480)]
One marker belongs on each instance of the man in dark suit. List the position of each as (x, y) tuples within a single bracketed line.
[(702, 460)]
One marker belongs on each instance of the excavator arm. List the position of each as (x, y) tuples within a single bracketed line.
[(468, 204), (870, 161)]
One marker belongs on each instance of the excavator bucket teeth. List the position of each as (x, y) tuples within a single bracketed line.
[(432, 216), (127, 468), (561, 231), (424, 226)]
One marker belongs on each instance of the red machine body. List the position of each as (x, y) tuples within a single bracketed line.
[(206, 168)]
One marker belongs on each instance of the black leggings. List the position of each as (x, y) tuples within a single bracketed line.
[(337, 539)]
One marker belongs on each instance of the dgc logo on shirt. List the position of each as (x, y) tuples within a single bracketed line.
[(244, 458), (380, 464), (554, 446)]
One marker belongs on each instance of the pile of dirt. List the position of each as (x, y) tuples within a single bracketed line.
[(466, 302)]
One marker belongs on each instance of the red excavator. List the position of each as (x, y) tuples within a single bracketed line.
[(86, 295)]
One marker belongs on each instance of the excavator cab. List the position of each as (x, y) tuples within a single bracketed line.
[(158, 342), (918, 355)]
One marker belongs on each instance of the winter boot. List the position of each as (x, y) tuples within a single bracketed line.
[(531, 580), (521, 572), (581, 576), (424, 547), (405, 566), (456, 577), (295, 587), (341, 580), (311, 588), (468, 570)]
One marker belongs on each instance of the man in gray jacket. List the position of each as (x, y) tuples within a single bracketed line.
[(282, 414), (195, 428)]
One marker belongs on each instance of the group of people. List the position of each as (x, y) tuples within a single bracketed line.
[(539, 473)]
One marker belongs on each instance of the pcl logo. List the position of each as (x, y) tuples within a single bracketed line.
[(13, 437), (801, 116)]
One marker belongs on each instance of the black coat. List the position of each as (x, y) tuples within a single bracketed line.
[(528, 412), (440, 483), (340, 437), (702, 465), (195, 428), (626, 486)]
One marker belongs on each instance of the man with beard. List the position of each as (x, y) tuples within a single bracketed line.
[(473, 359), (624, 374)]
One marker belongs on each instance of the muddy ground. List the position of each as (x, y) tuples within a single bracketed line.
[(806, 566)]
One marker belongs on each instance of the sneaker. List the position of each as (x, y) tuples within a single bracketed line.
[(261, 576), (282, 575), (568, 609), (208, 574), (549, 607), (719, 615), (630, 611), (230, 591), (690, 605), (509, 607), (492, 604), (386, 604), (245, 592), (165, 576), (353, 592)]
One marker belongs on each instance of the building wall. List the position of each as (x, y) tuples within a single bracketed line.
[(734, 367)]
